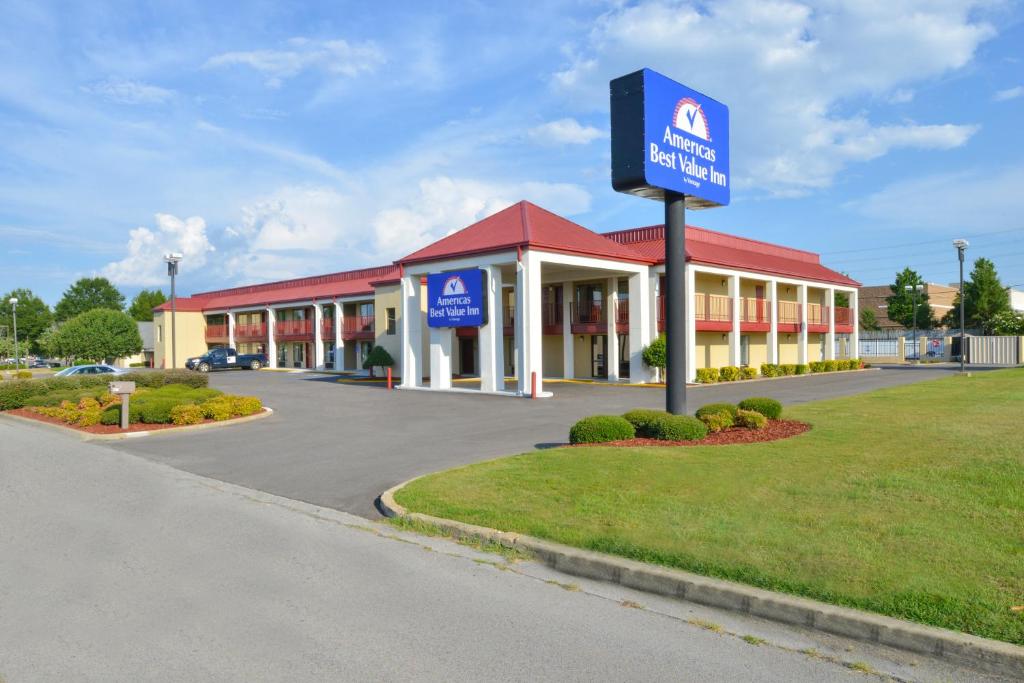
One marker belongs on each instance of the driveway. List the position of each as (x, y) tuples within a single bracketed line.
[(340, 445)]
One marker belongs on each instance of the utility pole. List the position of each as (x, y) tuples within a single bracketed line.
[(961, 246), (14, 314), (172, 260)]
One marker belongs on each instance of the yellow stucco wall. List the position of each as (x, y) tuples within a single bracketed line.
[(748, 288), (385, 297), (581, 356), (712, 350), (758, 353), (552, 350), (191, 339), (788, 349), (706, 283), (783, 295), (814, 347)]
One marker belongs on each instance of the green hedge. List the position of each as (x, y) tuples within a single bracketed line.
[(642, 419), (707, 375), (679, 428), (768, 407), (600, 429), (15, 393), (750, 419), (712, 408), (730, 373)]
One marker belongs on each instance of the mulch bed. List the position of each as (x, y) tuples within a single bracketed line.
[(773, 431), (98, 429)]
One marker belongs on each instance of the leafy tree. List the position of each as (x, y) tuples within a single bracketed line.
[(654, 354), (143, 304), (86, 294), (1008, 323), (378, 357), (868, 320), (901, 303), (34, 317), (97, 335), (985, 298)]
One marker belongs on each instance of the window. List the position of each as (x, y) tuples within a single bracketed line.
[(160, 333), (391, 320), (366, 309)]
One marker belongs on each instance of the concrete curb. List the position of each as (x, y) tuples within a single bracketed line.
[(86, 436), (981, 653)]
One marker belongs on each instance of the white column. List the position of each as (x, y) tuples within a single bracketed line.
[(773, 317), (830, 339), (568, 341), (339, 341), (529, 322), (639, 327), (412, 338), (441, 357), (855, 319), (611, 304), (271, 338), (801, 353), (734, 334), (691, 324), (231, 329), (492, 335), (318, 338)]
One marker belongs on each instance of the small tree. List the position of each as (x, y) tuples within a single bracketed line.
[(34, 317), (145, 301), (97, 335), (86, 294), (901, 303), (1008, 323), (985, 297), (378, 357), (868, 320), (654, 353)]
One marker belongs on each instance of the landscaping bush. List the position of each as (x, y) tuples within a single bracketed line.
[(830, 366), (768, 407), (716, 422), (769, 370), (186, 414), (749, 419), (679, 428), (817, 366), (642, 418), (712, 408), (707, 375), (245, 405), (730, 373), (802, 369), (747, 372), (601, 428), (654, 353), (13, 394), (218, 409), (788, 369), (23, 374), (157, 410), (159, 378)]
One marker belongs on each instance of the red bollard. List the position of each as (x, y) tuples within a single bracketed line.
[(389, 379), (533, 385)]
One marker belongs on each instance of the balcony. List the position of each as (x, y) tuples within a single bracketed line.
[(817, 318), (622, 317), (588, 317), (713, 312), (327, 329), (216, 333), (551, 318), (359, 328), (293, 330), (789, 316), (844, 320), (754, 315), (251, 332)]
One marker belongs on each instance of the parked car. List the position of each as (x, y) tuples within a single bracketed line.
[(226, 359), (43, 363), (96, 369)]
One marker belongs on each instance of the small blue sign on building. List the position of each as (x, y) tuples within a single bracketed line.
[(456, 299), (666, 136)]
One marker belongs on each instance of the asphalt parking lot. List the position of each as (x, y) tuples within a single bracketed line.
[(340, 445)]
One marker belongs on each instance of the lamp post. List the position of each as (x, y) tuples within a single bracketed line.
[(172, 260), (917, 345), (14, 314), (961, 246)]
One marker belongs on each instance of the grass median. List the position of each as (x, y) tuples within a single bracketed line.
[(906, 501)]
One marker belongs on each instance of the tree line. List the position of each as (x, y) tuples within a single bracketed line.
[(90, 321)]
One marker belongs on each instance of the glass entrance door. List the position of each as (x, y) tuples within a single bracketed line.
[(599, 355)]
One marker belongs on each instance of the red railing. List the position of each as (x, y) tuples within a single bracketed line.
[(844, 316), (327, 328), (551, 316), (359, 327), (817, 314), (754, 310), (251, 331), (586, 313), (293, 328), (216, 332), (712, 307), (789, 313), (622, 313)]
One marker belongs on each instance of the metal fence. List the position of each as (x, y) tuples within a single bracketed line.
[(878, 348), (993, 350)]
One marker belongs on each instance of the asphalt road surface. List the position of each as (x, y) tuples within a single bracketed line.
[(114, 568), (341, 445)]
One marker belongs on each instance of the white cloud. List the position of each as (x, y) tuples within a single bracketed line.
[(1009, 94), (129, 92), (798, 80), (144, 264), (901, 96), (566, 131), (296, 219), (333, 57)]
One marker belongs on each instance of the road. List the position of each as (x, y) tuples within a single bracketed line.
[(341, 445), (115, 568)]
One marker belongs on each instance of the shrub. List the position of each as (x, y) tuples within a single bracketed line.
[(860, 364), (378, 357), (788, 369), (802, 369), (713, 408), (817, 366), (88, 403), (157, 410), (769, 370), (111, 416), (159, 378), (186, 414), (601, 428), (13, 394), (768, 407), (218, 409), (679, 428), (716, 422), (707, 375), (749, 419), (245, 405), (747, 372), (654, 353), (23, 374), (642, 418), (730, 373), (830, 366), (137, 365)]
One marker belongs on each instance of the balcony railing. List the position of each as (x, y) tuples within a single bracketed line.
[(359, 327), (754, 310), (587, 313), (551, 317), (789, 313), (622, 313), (251, 331), (712, 307), (216, 332), (844, 316), (327, 328), (817, 314), (293, 328)]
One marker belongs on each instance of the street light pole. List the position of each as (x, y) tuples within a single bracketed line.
[(961, 246), (172, 260), (14, 314)]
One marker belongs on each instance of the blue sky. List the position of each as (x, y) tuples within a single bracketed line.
[(277, 139)]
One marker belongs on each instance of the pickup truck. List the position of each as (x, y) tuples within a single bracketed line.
[(226, 359)]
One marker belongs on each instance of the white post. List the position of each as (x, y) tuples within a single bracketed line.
[(639, 327), (231, 330), (318, 338), (412, 338), (773, 317), (691, 324), (801, 353), (611, 304), (271, 337), (529, 323), (339, 340), (441, 357), (855, 320), (830, 339), (568, 344), (734, 334), (492, 335)]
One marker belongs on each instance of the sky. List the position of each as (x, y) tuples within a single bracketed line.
[(275, 139)]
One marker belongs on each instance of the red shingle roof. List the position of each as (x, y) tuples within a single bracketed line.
[(729, 251), (525, 225)]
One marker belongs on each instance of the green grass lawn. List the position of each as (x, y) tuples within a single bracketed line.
[(906, 501)]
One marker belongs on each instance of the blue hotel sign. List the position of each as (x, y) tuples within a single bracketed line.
[(666, 136), (456, 299)]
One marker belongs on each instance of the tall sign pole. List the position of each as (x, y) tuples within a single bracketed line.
[(670, 143)]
